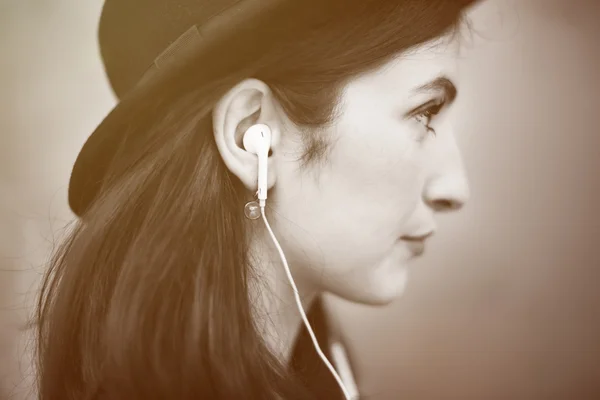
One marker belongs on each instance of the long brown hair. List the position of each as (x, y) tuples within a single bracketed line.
[(148, 296)]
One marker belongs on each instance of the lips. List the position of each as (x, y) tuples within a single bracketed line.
[(416, 243), (418, 237)]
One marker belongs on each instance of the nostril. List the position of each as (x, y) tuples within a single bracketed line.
[(446, 193), (446, 205)]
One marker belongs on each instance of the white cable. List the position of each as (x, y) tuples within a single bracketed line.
[(300, 308)]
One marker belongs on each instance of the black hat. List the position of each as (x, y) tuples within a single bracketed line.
[(142, 43)]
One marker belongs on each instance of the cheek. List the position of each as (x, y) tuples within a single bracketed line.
[(384, 181), (350, 213), (379, 165), (379, 151)]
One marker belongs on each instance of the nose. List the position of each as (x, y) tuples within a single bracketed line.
[(448, 192), (447, 186)]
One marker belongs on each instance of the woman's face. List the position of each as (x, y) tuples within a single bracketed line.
[(352, 224)]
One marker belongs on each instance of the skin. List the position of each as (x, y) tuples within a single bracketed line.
[(345, 223)]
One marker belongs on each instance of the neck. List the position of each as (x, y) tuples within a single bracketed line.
[(273, 299)]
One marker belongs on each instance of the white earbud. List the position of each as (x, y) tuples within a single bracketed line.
[(257, 140)]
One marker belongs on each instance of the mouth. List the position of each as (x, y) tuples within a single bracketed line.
[(416, 243)]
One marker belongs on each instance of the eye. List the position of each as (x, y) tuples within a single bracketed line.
[(426, 112)]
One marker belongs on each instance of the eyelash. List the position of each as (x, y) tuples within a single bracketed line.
[(427, 113)]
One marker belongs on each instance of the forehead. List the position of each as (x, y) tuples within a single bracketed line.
[(412, 69)]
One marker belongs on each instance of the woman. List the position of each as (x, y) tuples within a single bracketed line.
[(164, 288)]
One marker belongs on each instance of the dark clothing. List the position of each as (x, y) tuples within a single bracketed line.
[(306, 362)]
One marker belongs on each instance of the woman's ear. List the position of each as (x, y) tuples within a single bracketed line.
[(249, 102)]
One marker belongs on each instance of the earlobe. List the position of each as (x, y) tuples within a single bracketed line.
[(248, 103)]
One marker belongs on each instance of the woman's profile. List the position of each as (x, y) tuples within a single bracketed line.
[(170, 284)]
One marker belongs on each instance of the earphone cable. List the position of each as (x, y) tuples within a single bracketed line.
[(301, 309)]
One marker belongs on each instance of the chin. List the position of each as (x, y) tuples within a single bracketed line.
[(381, 290)]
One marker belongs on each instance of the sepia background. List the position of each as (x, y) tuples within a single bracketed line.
[(505, 305)]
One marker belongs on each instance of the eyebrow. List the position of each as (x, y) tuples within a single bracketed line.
[(442, 84)]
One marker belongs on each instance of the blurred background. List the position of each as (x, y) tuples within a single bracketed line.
[(505, 305)]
